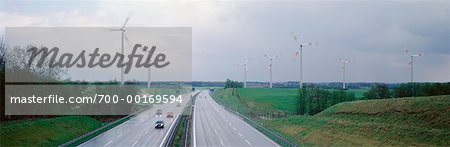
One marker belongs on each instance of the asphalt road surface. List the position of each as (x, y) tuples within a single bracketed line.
[(215, 126), (140, 130)]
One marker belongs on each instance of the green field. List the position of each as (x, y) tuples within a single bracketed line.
[(421, 121), (270, 99), (167, 91), (359, 93), (276, 99), (266, 98), (46, 132)]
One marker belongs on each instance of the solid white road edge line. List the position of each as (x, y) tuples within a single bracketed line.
[(168, 131), (194, 144)]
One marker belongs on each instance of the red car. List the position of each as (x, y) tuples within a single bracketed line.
[(169, 114)]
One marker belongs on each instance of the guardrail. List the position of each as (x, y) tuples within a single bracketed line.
[(272, 135), (92, 134), (169, 141), (186, 132), (172, 132)]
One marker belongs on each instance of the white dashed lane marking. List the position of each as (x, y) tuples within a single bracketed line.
[(134, 143), (248, 142), (108, 143)]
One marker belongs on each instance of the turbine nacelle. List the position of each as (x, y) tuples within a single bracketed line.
[(411, 53)]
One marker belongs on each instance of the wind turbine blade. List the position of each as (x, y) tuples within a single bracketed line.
[(298, 42), (112, 30), (126, 20), (295, 35), (306, 43), (406, 50)]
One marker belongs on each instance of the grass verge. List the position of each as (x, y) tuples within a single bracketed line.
[(46, 132), (102, 130)]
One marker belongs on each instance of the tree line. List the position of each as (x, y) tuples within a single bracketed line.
[(312, 100), (381, 91), (233, 84)]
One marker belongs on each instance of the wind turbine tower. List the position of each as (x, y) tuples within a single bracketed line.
[(245, 65), (271, 59), (122, 31), (300, 48), (411, 64), (344, 62)]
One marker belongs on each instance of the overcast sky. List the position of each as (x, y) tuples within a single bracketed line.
[(369, 33)]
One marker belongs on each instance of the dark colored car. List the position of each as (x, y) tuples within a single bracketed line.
[(159, 124), (159, 112)]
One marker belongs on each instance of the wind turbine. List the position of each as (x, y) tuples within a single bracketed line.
[(271, 59), (245, 64), (411, 63), (124, 36), (149, 75), (300, 47), (344, 62)]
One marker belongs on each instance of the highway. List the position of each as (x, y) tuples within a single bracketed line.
[(215, 126), (139, 130)]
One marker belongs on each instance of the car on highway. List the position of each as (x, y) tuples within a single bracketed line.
[(169, 114), (159, 112), (159, 124)]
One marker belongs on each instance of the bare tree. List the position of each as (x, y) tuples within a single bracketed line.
[(2, 78), (17, 66), (2, 52)]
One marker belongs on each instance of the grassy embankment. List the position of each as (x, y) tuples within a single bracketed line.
[(46, 132), (420, 121)]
